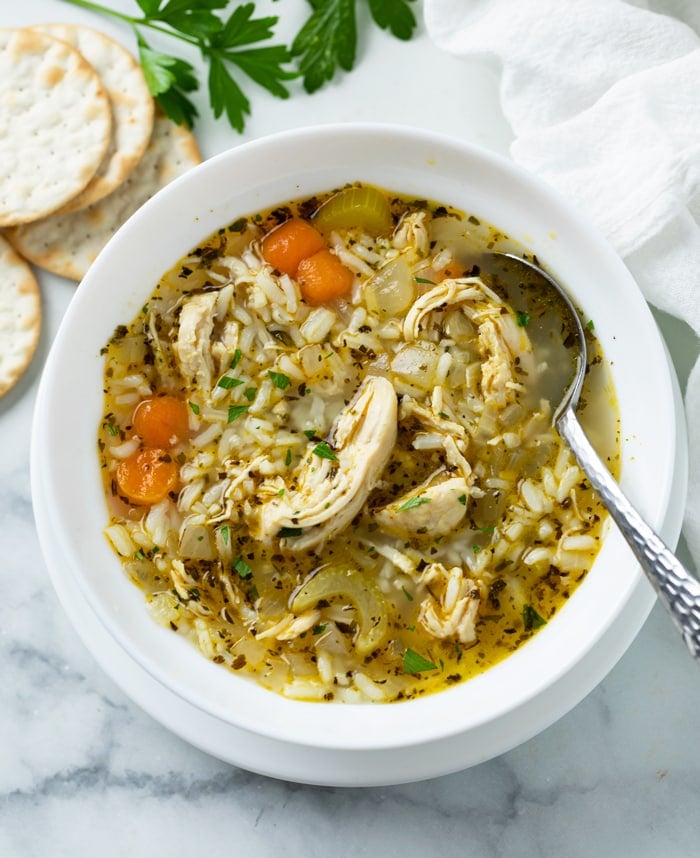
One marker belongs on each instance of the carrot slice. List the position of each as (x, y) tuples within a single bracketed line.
[(322, 277), (289, 243), (147, 476), (161, 421)]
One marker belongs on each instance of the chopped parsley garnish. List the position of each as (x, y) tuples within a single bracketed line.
[(462, 499), (323, 451), (523, 319), (412, 503), (320, 629), (424, 280), (531, 619), (240, 566), (279, 379), (237, 355), (590, 325), (476, 548), (413, 662), (288, 458), (236, 411), (407, 594), (250, 393), (112, 429), (310, 434), (194, 407), (225, 533), (227, 382)]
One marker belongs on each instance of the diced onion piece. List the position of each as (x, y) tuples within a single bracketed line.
[(363, 208), (336, 580), (391, 290), (416, 364), (195, 542)]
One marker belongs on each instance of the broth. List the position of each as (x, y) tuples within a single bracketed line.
[(368, 501)]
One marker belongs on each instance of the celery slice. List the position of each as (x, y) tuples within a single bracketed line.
[(339, 581), (364, 208)]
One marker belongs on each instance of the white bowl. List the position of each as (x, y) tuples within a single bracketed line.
[(471, 721)]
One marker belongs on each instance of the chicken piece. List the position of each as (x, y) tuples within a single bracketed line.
[(454, 615), (500, 343), (455, 458), (449, 291), (329, 492), (434, 510), (410, 408), (412, 233), (193, 346)]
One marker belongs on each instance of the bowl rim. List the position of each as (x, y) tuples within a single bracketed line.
[(363, 726)]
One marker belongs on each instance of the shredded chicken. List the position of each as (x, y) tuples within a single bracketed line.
[(500, 342), (454, 615), (412, 232), (193, 346), (327, 493), (434, 510), (447, 292)]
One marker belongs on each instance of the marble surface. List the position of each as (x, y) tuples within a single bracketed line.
[(84, 771)]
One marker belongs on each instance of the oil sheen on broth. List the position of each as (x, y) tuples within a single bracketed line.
[(328, 455)]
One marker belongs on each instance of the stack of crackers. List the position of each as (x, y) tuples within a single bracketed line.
[(81, 148)]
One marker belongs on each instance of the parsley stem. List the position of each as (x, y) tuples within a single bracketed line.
[(97, 7), (136, 22)]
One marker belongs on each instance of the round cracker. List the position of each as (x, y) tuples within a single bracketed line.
[(131, 104), (55, 124), (20, 316), (67, 244)]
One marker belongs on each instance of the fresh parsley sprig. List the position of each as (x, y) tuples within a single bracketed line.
[(328, 38), (226, 45), (326, 42)]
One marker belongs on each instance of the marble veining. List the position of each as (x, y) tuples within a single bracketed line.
[(85, 772)]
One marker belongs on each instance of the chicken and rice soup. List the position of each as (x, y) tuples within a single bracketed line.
[(328, 452)]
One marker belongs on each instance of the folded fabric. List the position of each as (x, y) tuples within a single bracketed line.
[(604, 103)]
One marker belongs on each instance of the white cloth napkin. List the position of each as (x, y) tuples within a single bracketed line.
[(603, 97)]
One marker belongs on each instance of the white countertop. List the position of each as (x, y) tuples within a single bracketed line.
[(84, 771)]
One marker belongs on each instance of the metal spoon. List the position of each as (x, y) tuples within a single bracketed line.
[(676, 587)]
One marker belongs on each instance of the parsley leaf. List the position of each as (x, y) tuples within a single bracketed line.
[(531, 619), (236, 411), (227, 382), (224, 44), (279, 379), (395, 16), (413, 662), (240, 566), (328, 38), (323, 451), (413, 502)]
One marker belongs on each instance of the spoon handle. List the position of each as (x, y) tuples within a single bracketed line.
[(678, 590)]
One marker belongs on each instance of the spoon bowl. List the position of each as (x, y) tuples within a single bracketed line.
[(532, 291)]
